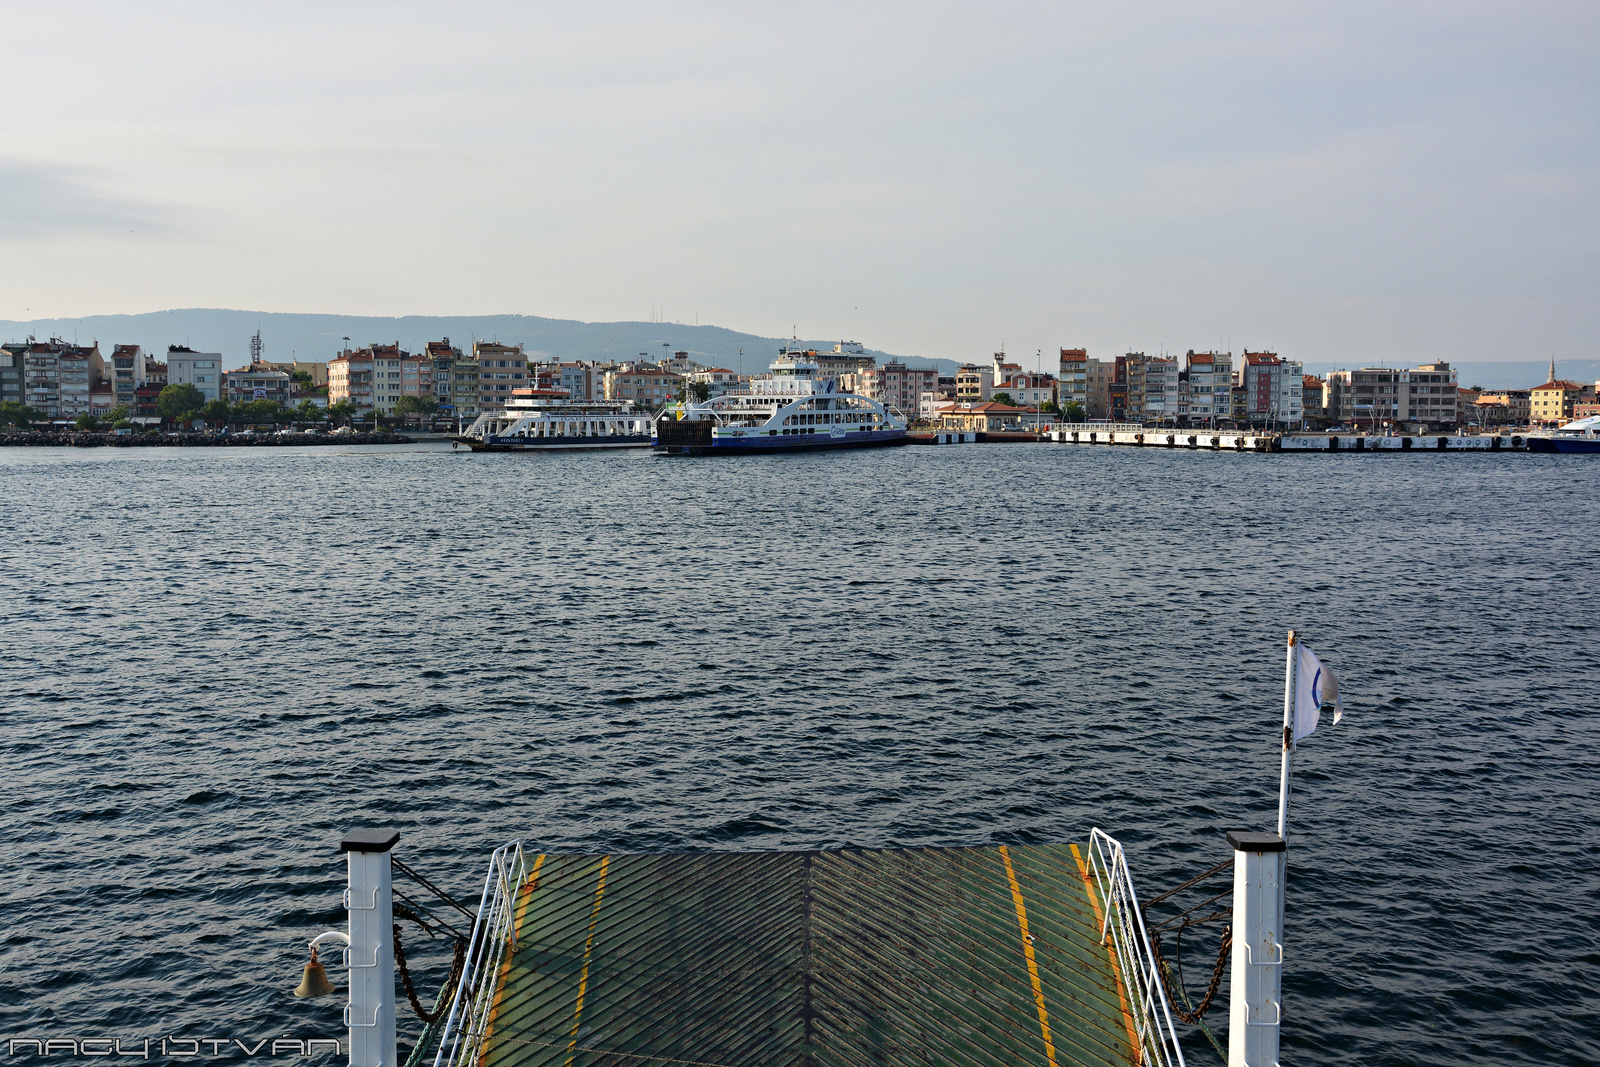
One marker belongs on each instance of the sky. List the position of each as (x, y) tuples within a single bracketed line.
[(1355, 183)]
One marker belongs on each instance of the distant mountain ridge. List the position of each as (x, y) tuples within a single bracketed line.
[(293, 335)]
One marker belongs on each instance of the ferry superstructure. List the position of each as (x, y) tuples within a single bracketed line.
[(548, 420), (795, 410)]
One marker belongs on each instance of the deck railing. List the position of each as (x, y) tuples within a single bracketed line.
[(493, 935), (1123, 926)]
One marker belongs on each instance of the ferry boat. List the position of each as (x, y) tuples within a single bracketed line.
[(547, 420), (795, 410), (1580, 435)]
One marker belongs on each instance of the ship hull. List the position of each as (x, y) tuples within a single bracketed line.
[(753, 445), (1564, 444), (554, 444)]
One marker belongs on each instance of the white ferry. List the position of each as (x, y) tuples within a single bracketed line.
[(545, 420), (795, 410), (1580, 435)]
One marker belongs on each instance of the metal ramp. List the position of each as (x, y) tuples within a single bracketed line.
[(968, 956)]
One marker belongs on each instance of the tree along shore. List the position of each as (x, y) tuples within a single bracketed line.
[(87, 439)]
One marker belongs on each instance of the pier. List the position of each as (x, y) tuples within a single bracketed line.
[(993, 955), (1265, 441)]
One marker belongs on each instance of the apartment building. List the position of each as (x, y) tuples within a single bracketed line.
[(81, 368), (1073, 380), (147, 397), (448, 371), (1311, 388), (974, 384), (1428, 396), (315, 373), (847, 357), (1556, 401), (582, 381), (501, 369), (1368, 396), (1206, 379), (1273, 389), (1161, 381), (350, 378), (259, 381), (465, 388), (377, 377), (12, 356), (1507, 407), (646, 385), (203, 370), (1098, 375), (1128, 388), (127, 374), (721, 380), (894, 385), (56, 377)]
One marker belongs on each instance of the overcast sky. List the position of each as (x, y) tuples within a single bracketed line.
[(1383, 182)]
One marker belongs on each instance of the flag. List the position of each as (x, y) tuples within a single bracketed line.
[(1315, 687)]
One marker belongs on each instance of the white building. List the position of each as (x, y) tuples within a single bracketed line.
[(1161, 389), (721, 380), (1210, 376), (203, 370)]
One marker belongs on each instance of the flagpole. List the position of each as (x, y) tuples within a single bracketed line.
[(1288, 738)]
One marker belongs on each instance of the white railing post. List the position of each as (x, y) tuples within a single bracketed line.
[(369, 900), (1255, 1010)]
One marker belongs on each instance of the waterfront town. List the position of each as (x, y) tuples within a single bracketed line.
[(56, 384)]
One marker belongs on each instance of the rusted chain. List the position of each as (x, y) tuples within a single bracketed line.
[(457, 967), (1192, 1017)]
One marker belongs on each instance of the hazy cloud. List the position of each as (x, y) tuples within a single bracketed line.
[(45, 201)]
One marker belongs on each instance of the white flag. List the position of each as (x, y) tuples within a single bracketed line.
[(1314, 687)]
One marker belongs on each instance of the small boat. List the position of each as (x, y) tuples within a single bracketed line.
[(549, 420), (1580, 435), (795, 410)]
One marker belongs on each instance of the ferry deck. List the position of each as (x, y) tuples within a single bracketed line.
[(974, 956)]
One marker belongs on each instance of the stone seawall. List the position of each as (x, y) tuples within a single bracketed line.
[(79, 439)]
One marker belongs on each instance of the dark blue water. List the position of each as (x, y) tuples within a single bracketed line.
[(214, 661)]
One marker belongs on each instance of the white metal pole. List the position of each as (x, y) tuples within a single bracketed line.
[(1288, 739), (369, 900), (1255, 997)]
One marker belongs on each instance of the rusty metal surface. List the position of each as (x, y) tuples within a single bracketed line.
[(915, 956)]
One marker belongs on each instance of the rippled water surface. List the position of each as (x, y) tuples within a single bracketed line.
[(214, 661)]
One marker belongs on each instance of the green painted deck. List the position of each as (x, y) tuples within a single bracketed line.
[(968, 956)]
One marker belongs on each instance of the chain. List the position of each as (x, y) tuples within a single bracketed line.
[(1193, 1017), (456, 969)]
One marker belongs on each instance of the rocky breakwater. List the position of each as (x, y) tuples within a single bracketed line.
[(82, 439)]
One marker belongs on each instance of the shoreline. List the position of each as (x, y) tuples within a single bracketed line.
[(90, 439)]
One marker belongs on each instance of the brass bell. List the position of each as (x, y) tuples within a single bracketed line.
[(314, 982)]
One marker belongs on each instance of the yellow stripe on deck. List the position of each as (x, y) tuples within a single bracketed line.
[(588, 947), (1033, 961)]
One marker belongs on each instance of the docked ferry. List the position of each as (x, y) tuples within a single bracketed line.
[(795, 410), (546, 420), (1580, 435)]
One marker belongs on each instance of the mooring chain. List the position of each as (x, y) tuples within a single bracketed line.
[(456, 968), (1192, 1017)]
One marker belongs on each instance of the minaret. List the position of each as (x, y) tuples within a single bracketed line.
[(1552, 368)]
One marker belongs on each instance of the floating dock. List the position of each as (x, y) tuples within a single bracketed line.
[(1251, 441), (973, 956)]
